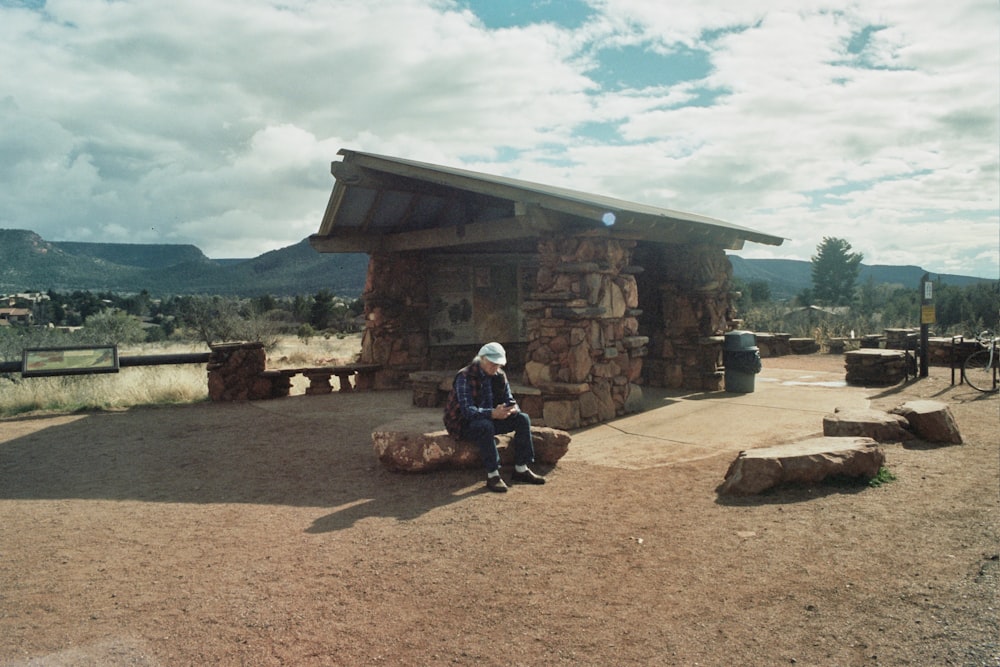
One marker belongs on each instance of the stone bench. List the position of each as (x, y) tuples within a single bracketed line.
[(805, 462), (870, 367), (803, 345), (362, 374), (417, 442), (875, 424), (841, 345), (319, 378), (431, 388), (930, 421)]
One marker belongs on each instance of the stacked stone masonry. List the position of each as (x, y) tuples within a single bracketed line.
[(689, 293), (395, 335), (590, 343), (235, 373), (584, 350)]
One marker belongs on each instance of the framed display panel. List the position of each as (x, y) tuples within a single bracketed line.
[(479, 300), (79, 360)]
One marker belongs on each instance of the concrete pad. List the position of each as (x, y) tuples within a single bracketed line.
[(678, 426)]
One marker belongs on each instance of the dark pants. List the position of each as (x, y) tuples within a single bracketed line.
[(482, 431)]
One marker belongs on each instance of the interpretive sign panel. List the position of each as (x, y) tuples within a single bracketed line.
[(42, 361)]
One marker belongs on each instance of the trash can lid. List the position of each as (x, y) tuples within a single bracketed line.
[(740, 340)]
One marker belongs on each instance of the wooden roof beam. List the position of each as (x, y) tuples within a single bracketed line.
[(493, 231)]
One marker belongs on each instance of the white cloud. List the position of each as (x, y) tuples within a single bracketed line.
[(214, 123)]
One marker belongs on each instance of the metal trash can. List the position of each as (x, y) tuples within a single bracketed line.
[(741, 358)]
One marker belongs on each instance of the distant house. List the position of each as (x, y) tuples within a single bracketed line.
[(592, 296), (16, 316)]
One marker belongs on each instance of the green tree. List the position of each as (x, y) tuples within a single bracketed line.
[(752, 294), (834, 271), (322, 312), (113, 328), (305, 332), (137, 304)]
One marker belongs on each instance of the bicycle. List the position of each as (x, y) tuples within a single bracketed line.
[(981, 367)]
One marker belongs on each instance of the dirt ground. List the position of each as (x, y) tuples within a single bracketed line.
[(266, 533)]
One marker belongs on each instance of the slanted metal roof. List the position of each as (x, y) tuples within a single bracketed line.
[(387, 204)]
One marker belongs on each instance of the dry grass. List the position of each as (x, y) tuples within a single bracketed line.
[(149, 385), (157, 385), (319, 351)]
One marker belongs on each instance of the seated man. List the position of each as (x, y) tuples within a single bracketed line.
[(480, 406)]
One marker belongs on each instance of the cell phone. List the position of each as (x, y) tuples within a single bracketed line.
[(510, 401)]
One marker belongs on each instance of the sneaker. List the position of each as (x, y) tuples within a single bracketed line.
[(527, 477), (496, 484)]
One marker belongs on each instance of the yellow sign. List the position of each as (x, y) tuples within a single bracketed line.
[(927, 315)]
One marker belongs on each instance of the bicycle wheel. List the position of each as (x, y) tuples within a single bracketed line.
[(979, 370)]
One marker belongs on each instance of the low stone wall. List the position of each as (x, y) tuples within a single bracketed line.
[(774, 344), (235, 373), (949, 351), (876, 368)]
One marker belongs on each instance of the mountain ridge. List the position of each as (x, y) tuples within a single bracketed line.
[(30, 263), (788, 277)]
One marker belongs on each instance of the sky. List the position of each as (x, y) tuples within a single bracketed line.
[(215, 123)]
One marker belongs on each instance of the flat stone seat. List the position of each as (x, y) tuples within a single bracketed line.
[(418, 442), (875, 424), (931, 421), (805, 462), (319, 377)]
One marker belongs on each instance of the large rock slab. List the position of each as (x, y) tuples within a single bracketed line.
[(875, 424), (805, 462), (417, 443), (931, 421)]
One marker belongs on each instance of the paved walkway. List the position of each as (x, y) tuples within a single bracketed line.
[(677, 426)]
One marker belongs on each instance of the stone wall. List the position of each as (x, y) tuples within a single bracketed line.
[(235, 372), (590, 344), (687, 306), (396, 321), (584, 349)]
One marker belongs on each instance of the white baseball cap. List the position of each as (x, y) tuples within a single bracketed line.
[(494, 352)]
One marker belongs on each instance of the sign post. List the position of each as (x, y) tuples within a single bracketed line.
[(927, 317)]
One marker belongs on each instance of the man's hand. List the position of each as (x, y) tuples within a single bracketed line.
[(504, 411)]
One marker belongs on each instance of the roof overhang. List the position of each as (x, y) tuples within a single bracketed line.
[(387, 204)]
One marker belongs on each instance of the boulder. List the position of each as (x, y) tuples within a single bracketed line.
[(805, 462), (875, 424), (931, 421), (417, 443)]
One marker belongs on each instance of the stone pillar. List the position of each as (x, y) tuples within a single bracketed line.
[(584, 352), (235, 372), (396, 317), (689, 287)]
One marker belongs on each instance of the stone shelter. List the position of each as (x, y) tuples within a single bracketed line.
[(591, 296)]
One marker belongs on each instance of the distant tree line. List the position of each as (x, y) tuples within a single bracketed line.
[(110, 318), (868, 308)]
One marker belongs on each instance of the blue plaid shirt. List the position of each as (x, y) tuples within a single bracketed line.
[(471, 397)]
